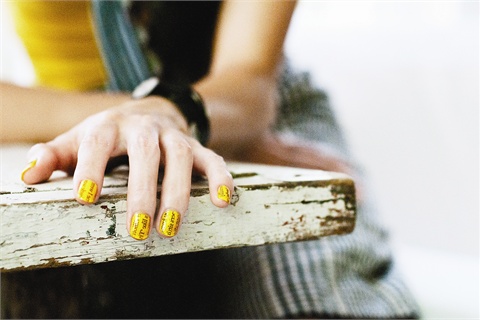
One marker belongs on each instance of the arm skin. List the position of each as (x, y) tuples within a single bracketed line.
[(240, 90), (41, 114)]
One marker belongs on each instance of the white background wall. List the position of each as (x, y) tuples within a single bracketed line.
[(403, 78), (14, 64)]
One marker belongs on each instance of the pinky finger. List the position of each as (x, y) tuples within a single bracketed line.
[(213, 166)]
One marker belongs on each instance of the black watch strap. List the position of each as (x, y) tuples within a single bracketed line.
[(185, 98)]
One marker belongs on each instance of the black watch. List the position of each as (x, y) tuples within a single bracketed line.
[(185, 98)]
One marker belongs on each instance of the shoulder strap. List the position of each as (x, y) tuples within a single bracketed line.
[(119, 46)]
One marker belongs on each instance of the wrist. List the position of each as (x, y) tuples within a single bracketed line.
[(165, 109)]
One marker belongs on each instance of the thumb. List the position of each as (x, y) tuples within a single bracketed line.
[(43, 159)]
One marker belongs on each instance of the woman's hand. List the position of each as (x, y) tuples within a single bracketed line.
[(152, 132), (276, 149)]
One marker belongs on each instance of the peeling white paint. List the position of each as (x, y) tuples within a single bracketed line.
[(46, 227)]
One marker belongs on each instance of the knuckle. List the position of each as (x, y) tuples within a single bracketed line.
[(182, 149), (145, 143), (147, 120), (179, 145), (95, 140), (216, 164), (38, 147), (214, 159), (45, 150), (110, 116), (100, 133), (106, 120)]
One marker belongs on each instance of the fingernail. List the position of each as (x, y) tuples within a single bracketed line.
[(30, 165), (223, 193), (140, 226), (169, 223), (87, 191)]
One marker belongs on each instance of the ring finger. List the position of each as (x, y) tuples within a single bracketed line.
[(176, 182)]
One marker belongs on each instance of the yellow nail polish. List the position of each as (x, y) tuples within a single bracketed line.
[(87, 191), (169, 223), (30, 165), (223, 193), (140, 226)]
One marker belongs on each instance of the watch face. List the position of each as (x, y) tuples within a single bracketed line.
[(144, 88)]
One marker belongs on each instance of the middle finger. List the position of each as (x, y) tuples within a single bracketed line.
[(144, 160)]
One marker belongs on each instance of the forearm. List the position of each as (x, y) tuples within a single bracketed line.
[(40, 114), (240, 90), (241, 105)]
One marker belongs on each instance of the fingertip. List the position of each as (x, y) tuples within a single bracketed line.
[(140, 226), (169, 223), (87, 191), (29, 166), (43, 162), (36, 171), (221, 188), (223, 196)]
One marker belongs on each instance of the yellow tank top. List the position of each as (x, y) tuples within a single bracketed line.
[(59, 38)]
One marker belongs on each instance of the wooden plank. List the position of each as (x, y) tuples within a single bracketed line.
[(43, 226)]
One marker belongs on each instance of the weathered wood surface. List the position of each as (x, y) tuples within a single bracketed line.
[(43, 226)]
